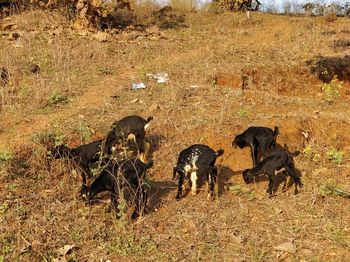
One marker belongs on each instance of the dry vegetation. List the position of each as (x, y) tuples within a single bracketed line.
[(84, 85)]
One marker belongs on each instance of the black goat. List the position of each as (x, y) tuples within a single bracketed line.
[(128, 128), (256, 138), (83, 156), (197, 160), (117, 175), (279, 160)]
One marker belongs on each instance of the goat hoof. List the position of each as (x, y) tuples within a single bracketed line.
[(178, 197), (193, 193), (210, 196), (83, 190)]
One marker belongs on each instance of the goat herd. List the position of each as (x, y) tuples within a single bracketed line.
[(122, 161)]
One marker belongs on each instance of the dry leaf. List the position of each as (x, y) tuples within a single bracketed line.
[(286, 247), (65, 250)]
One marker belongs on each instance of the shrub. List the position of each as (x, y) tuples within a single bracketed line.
[(331, 91), (335, 156)]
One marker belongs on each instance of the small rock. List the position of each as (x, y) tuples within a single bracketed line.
[(65, 250), (34, 68), (101, 36), (286, 247)]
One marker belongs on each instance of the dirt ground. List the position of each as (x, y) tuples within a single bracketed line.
[(84, 85)]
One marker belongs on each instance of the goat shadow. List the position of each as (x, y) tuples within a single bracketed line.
[(224, 175), (158, 191)]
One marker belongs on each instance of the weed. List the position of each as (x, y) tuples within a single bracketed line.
[(238, 190), (49, 138), (331, 188), (4, 207), (122, 209), (85, 132), (337, 234), (12, 187), (56, 97), (331, 91), (242, 112), (335, 156), (5, 156), (311, 154)]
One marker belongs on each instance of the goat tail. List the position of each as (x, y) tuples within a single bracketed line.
[(149, 119), (219, 152), (276, 131)]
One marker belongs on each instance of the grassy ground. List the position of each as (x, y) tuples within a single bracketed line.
[(84, 86)]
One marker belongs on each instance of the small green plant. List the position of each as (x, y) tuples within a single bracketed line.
[(337, 234), (49, 138), (238, 190), (122, 205), (85, 132), (5, 156), (331, 91), (56, 97), (3, 208), (331, 188), (242, 112), (335, 156), (311, 154)]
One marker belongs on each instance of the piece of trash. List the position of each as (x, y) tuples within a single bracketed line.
[(135, 86), (159, 77), (286, 247)]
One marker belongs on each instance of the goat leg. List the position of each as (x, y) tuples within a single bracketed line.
[(181, 180), (271, 184)]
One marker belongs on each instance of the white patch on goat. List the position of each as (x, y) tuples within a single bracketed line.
[(113, 148), (279, 170), (131, 137), (146, 126), (187, 169), (194, 183)]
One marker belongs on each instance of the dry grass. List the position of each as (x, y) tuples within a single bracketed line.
[(40, 207)]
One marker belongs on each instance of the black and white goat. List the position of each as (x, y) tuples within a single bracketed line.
[(278, 161), (256, 138), (83, 156), (117, 175), (197, 160), (128, 128)]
